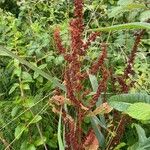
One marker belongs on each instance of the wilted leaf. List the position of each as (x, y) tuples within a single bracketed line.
[(91, 142), (102, 109)]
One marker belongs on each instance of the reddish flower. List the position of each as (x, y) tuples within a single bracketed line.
[(101, 87), (100, 60), (92, 37), (128, 70), (58, 41)]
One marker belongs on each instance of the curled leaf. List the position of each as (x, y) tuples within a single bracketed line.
[(102, 109)]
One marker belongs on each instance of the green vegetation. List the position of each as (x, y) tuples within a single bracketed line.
[(74, 76)]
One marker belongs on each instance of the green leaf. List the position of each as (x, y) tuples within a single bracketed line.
[(59, 60), (26, 86), (124, 2), (134, 25), (15, 111), (119, 146), (26, 77), (145, 15), (120, 106), (42, 66), (53, 142), (98, 133), (31, 147), (40, 141), (146, 41), (33, 67), (60, 141), (141, 133), (123, 101), (17, 71), (19, 131), (36, 119), (36, 74), (140, 111), (15, 85), (29, 102), (114, 12), (94, 82), (143, 143)]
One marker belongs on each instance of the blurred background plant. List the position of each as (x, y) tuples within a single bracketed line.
[(26, 28)]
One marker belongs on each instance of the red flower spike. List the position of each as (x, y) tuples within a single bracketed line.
[(128, 70), (92, 38), (58, 41), (124, 86), (101, 87), (100, 60), (70, 92)]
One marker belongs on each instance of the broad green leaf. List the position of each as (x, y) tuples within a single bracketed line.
[(42, 66), (123, 101), (19, 130), (36, 119), (3, 53), (17, 71), (120, 106), (146, 41), (59, 60), (140, 111)]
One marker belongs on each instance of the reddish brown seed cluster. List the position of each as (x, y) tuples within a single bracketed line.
[(124, 86), (92, 38), (58, 41), (74, 76), (78, 14), (128, 70), (70, 135), (101, 87), (96, 66)]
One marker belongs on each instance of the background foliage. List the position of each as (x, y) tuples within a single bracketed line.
[(26, 28)]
